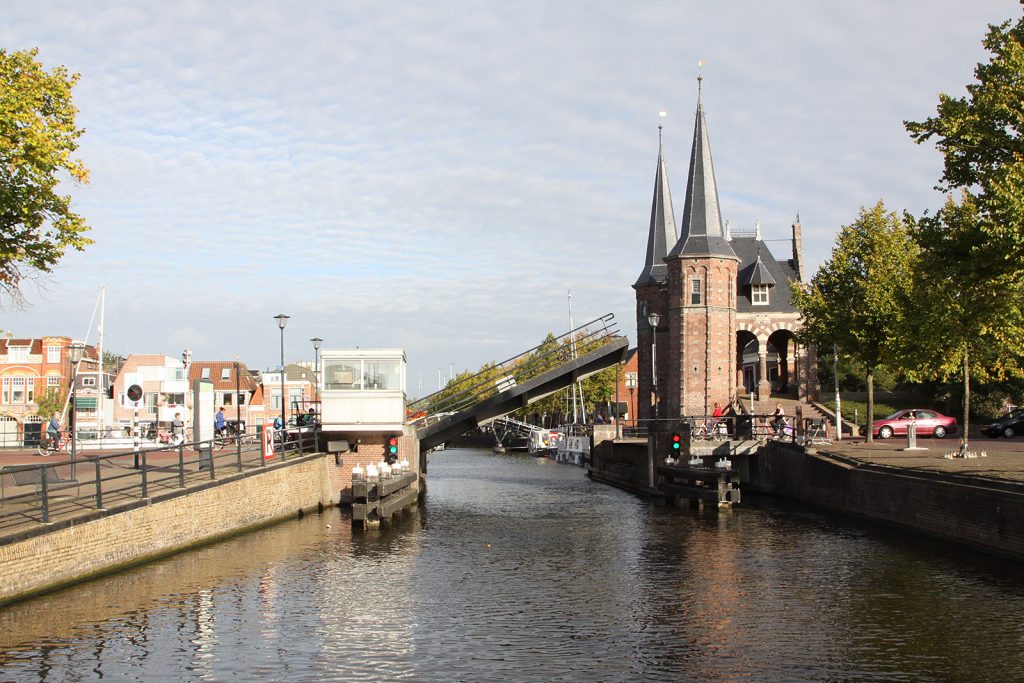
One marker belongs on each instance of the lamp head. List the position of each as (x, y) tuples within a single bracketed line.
[(282, 320), (654, 319), (75, 352), (316, 342)]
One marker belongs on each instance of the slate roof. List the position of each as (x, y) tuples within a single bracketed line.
[(662, 233), (755, 256), (700, 233)]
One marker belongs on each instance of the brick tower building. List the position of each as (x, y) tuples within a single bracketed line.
[(715, 320)]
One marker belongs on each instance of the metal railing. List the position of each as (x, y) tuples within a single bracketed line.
[(744, 427), (36, 494), (516, 370)]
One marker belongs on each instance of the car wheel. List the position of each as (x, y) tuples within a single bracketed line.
[(885, 432), (1008, 432), (940, 432)]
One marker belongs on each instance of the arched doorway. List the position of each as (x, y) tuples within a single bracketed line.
[(783, 377), (746, 375)]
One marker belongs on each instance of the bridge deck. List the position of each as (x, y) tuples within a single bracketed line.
[(521, 395)]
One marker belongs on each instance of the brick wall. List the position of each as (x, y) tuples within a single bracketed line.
[(168, 524), (370, 447)]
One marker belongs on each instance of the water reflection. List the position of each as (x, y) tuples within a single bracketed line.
[(518, 569)]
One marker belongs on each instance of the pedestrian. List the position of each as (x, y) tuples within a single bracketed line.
[(218, 422), (177, 429), (778, 418)]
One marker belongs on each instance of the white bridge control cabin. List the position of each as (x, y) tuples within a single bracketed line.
[(362, 390)]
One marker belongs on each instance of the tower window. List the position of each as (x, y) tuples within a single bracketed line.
[(759, 295), (695, 292)]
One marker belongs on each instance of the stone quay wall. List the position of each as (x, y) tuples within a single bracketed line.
[(986, 514), (162, 525), (981, 513)]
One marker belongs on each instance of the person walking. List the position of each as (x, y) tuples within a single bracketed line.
[(779, 418), (177, 429)]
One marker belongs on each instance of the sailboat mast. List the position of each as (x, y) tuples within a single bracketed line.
[(100, 383)]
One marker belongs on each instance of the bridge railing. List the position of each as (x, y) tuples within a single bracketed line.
[(463, 392)]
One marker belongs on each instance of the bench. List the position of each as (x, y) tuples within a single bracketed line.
[(53, 480)]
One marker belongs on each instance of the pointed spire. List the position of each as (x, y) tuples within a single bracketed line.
[(701, 229), (757, 229), (662, 234)]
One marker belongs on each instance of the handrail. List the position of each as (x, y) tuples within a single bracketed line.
[(515, 370), (126, 476)]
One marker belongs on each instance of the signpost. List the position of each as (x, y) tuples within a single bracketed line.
[(202, 421)]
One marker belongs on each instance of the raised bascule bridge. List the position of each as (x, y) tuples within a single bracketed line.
[(515, 383)]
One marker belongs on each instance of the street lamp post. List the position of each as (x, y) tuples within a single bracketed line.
[(631, 386), (316, 365), (282, 320), (653, 319), (186, 363), (75, 353)]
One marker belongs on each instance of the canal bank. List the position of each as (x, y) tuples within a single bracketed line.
[(104, 541), (978, 503)]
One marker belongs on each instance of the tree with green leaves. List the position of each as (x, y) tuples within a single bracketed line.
[(971, 296), (38, 138), (981, 138), (963, 314), (51, 402), (858, 298)]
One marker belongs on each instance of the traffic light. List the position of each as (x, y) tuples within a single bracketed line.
[(677, 444), (391, 449)]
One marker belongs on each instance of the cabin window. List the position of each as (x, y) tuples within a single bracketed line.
[(759, 295), (696, 292), (363, 375)]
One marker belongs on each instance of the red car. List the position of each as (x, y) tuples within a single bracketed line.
[(929, 423)]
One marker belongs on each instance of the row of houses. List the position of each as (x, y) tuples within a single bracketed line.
[(32, 369)]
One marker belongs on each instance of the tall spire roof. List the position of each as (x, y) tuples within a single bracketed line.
[(701, 229), (662, 234)]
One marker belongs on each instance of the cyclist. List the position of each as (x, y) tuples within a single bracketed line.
[(219, 425), (53, 430)]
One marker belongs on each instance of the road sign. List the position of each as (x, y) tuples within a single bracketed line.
[(134, 392)]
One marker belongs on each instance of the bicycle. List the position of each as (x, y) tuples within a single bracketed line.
[(47, 446)]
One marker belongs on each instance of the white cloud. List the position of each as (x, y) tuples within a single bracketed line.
[(438, 176)]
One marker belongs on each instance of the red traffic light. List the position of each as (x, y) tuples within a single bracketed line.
[(676, 439), (393, 445)]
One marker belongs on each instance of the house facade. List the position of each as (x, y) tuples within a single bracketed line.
[(233, 386), (29, 368)]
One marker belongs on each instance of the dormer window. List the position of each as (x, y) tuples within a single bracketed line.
[(225, 373), (205, 374), (759, 295)]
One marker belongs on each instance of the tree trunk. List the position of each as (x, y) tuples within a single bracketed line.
[(871, 402), (967, 403)]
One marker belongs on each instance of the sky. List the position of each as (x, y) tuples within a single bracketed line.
[(439, 176)]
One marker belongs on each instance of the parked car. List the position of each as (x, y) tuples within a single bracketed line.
[(929, 423), (1008, 425)]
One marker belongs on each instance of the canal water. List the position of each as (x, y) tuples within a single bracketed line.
[(520, 569)]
